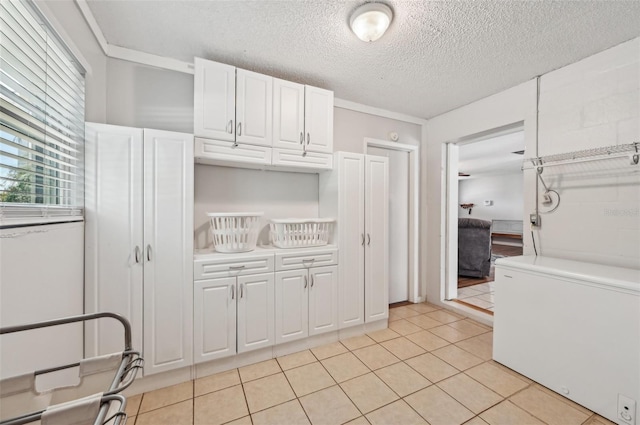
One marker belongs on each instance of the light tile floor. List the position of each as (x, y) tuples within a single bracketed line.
[(479, 295), (430, 367)]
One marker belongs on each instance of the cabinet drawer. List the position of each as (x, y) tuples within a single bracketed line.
[(310, 257), (223, 267), (218, 152), (290, 158)]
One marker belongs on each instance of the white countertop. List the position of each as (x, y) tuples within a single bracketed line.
[(210, 253)]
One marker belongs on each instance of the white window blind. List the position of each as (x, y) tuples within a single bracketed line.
[(41, 119)]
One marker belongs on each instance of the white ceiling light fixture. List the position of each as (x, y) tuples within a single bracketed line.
[(370, 21)]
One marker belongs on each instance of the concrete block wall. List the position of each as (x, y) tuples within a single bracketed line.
[(590, 104)]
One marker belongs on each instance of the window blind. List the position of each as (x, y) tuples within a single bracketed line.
[(41, 118)]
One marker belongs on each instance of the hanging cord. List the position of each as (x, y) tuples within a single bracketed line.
[(533, 239)]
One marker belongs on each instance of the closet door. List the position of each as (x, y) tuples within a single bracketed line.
[(377, 236), (323, 299), (254, 108), (214, 100), (288, 115), (255, 311), (351, 238), (113, 235), (214, 314), (168, 250), (291, 305)]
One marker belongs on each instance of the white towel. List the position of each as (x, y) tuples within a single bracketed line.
[(82, 411)]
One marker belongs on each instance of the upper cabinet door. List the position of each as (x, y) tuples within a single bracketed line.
[(113, 234), (254, 108), (214, 100), (377, 238), (168, 250), (318, 113), (288, 115)]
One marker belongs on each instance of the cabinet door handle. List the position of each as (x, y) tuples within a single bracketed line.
[(148, 252), (239, 129), (368, 239), (305, 282), (301, 137), (241, 290), (230, 127), (308, 260), (233, 292), (312, 281), (362, 234), (137, 254), (237, 267), (308, 138)]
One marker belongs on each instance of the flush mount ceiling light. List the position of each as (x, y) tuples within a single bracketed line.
[(370, 21)]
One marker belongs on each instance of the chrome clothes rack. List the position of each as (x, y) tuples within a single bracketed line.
[(631, 150)]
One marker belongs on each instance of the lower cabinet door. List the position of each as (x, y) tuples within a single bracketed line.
[(292, 311), (323, 299), (255, 311), (214, 308)]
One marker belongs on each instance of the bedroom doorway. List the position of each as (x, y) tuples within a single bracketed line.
[(484, 212)]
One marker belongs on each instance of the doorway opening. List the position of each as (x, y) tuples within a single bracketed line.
[(484, 212), (404, 192)]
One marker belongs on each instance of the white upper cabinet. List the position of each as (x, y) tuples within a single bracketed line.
[(214, 100), (232, 104), (288, 115), (318, 119), (254, 108), (303, 117)]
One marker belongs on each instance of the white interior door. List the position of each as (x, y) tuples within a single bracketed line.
[(399, 180)]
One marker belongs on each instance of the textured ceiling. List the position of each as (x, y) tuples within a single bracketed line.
[(492, 156), (436, 56)]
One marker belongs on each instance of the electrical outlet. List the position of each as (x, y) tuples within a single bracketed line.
[(626, 409), (534, 219)]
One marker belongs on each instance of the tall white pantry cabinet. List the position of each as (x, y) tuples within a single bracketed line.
[(356, 192), (139, 241)]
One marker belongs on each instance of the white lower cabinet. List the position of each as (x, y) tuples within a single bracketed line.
[(214, 327), (306, 302), (234, 312), (253, 300)]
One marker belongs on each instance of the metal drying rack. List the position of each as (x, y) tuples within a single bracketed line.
[(123, 376), (631, 150)]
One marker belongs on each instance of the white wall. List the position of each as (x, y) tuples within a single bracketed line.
[(277, 194), (351, 127), (581, 105), (504, 190), (593, 103), (147, 97), (41, 278)]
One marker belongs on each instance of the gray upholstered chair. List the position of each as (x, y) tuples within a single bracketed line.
[(474, 247)]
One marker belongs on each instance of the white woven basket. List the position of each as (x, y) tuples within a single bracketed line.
[(235, 232), (298, 233)]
